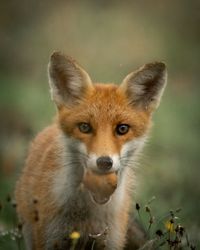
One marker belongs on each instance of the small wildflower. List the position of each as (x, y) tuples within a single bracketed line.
[(13, 238), (176, 229), (151, 220), (14, 204), (169, 226), (172, 213), (148, 210), (159, 233), (8, 198), (4, 233), (137, 206), (19, 226), (74, 235), (181, 230)]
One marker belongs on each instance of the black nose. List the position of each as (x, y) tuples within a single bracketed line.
[(104, 163)]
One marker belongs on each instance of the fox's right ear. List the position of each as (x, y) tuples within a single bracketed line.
[(68, 81)]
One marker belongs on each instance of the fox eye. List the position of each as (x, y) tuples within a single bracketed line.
[(85, 127), (122, 129)]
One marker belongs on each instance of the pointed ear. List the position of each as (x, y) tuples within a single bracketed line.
[(144, 87), (68, 81)]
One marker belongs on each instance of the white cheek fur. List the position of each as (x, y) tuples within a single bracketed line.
[(131, 149), (62, 185)]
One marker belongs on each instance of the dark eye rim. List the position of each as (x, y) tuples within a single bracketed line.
[(87, 129), (126, 126)]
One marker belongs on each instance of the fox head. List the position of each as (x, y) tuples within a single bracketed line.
[(105, 123)]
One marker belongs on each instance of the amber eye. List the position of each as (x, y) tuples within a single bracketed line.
[(85, 127), (122, 129)]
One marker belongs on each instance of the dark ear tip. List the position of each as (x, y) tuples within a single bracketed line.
[(157, 66), (58, 56), (55, 55), (160, 66)]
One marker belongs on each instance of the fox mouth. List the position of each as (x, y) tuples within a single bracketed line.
[(98, 199), (100, 187)]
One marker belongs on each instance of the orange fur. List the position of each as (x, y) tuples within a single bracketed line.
[(104, 118), (53, 191)]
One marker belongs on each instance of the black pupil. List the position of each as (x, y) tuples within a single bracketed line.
[(122, 129), (85, 127)]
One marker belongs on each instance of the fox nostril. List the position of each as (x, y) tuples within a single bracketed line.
[(104, 163)]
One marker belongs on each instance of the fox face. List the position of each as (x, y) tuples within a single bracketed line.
[(105, 124)]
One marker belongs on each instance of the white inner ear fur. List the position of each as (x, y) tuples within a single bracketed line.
[(145, 86), (132, 148)]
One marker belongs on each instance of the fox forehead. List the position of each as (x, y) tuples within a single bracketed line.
[(105, 105)]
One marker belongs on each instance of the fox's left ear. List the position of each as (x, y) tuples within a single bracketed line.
[(144, 87)]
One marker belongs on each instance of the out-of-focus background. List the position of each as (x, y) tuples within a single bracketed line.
[(109, 39)]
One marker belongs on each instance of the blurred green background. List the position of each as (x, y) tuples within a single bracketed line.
[(109, 39)]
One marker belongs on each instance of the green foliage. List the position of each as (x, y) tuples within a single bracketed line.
[(163, 232)]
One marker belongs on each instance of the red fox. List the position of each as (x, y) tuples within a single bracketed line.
[(79, 174)]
